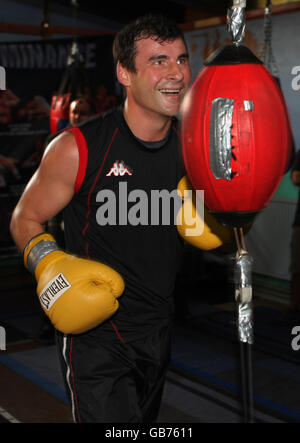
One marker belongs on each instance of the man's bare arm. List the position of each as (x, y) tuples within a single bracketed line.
[(49, 190)]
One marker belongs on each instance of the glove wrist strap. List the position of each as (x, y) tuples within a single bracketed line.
[(38, 252)]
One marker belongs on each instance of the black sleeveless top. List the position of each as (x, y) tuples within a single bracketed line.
[(114, 217)]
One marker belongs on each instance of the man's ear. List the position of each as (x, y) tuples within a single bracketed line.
[(123, 75)]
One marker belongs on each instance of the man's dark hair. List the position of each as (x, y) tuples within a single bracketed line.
[(156, 26)]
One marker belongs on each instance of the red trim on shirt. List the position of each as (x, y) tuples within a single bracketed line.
[(83, 156)]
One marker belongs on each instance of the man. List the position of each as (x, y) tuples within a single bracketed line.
[(80, 110), (114, 348)]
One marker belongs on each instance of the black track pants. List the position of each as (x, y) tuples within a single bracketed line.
[(115, 382)]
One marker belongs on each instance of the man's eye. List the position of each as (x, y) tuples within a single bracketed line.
[(181, 61)]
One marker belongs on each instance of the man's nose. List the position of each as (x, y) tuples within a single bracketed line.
[(175, 72)]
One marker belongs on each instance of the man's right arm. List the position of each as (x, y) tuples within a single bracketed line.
[(50, 189), (77, 294)]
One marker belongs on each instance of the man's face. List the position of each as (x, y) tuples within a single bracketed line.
[(79, 111), (161, 78)]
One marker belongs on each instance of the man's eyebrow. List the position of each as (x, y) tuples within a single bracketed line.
[(163, 56), (183, 55), (157, 57)]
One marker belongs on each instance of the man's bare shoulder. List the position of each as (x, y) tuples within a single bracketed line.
[(64, 142), (61, 158), (63, 148)]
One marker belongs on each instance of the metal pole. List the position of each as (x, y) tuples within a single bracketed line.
[(243, 296)]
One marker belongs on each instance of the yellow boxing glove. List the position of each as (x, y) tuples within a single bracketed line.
[(207, 234), (76, 294)]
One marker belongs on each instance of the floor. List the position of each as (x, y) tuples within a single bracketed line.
[(204, 379)]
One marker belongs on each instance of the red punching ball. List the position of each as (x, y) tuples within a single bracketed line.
[(59, 112), (236, 135)]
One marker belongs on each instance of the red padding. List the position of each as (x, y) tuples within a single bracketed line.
[(83, 156)]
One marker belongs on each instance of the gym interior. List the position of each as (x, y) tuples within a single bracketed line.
[(214, 376)]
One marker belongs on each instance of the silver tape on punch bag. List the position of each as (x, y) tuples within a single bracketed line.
[(243, 270), (236, 21), (243, 294), (220, 137), (245, 323)]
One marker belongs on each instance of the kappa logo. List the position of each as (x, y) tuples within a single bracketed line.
[(119, 169)]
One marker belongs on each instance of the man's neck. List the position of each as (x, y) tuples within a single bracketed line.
[(146, 125)]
